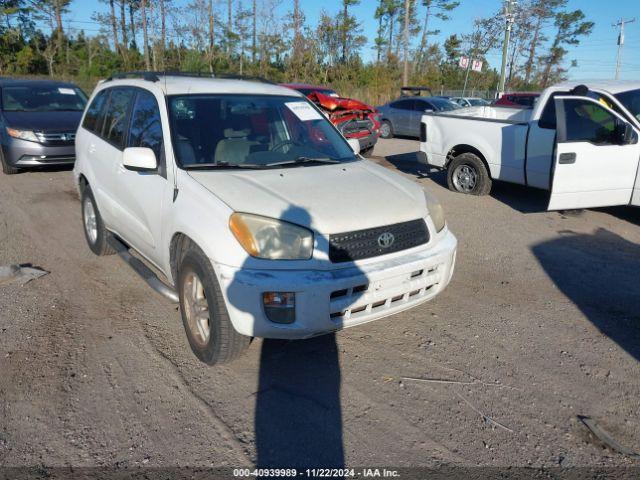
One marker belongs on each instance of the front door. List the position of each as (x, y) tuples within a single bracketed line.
[(596, 158)]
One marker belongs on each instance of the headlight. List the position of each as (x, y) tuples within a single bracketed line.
[(22, 134), (270, 238), (436, 211)]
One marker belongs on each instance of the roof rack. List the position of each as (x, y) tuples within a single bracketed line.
[(155, 76)]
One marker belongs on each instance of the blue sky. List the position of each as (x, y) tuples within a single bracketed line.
[(596, 55)]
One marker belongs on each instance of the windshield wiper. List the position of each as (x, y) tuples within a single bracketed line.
[(303, 160), (224, 166)]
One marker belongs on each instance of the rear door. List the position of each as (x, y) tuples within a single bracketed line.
[(596, 158), (108, 153), (401, 113), (142, 196)]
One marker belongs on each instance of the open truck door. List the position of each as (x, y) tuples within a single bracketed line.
[(597, 155)]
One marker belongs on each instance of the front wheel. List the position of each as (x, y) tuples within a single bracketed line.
[(386, 130), (467, 174), (206, 321)]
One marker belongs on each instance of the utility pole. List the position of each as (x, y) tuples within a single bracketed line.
[(405, 41), (509, 21), (621, 25)]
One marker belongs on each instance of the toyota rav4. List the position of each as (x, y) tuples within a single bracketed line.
[(253, 211)]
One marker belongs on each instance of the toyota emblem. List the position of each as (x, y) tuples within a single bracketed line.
[(386, 239)]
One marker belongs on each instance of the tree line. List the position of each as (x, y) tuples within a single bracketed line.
[(275, 40)]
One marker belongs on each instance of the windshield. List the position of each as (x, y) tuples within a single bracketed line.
[(631, 101), (477, 102), (252, 131), (41, 98)]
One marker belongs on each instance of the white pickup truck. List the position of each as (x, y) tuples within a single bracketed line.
[(580, 141)]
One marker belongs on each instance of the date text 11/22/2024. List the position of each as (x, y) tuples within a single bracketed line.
[(317, 473)]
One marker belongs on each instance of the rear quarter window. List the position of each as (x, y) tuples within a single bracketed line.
[(95, 113)]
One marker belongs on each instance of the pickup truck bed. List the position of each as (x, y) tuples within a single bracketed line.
[(499, 133)]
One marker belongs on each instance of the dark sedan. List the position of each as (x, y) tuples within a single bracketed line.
[(402, 116), (38, 123)]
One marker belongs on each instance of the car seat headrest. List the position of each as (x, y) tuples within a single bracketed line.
[(231, 133)]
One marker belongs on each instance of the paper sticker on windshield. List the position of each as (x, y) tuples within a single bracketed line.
[(66, 91), (303, 111)]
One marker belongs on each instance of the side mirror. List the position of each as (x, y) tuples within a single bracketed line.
[(428, 110), (139, 159), (354, 143)]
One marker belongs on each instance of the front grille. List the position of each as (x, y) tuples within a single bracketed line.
[(371, 242), (356, 126), (57, 138)]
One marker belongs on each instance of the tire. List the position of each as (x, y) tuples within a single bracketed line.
[(94, 231), (467, 174), (214, 340), (386, 129), (6, 168), (367, 152)]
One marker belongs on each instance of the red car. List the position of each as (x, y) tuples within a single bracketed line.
[(354, 119), (518, 99)]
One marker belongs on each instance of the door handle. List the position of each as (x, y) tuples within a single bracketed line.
[(566, 158)]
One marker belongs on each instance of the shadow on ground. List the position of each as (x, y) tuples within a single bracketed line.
[(520, 198), (628, 214), (599, 273), (408, 163), (298, 419)]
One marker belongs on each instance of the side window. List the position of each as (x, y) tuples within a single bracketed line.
[(146, 126), (95, 113), (115, 122), (403, 104), (589, 122), (421, 106), (548, 115)]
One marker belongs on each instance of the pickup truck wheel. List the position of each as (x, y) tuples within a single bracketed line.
[(467, 174), (386, 130), (6, 168), (204, 315), (94, 230)]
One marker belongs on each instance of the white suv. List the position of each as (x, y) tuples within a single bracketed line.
[(257, 212)]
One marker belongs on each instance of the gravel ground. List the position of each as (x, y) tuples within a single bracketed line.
[(539, 325)]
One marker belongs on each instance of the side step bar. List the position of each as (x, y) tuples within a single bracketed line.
[(141, 269)]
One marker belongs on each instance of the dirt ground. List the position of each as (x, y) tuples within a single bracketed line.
[(540, 324)]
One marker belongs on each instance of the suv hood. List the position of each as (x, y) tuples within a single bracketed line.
[(326, 198), (66, 121)]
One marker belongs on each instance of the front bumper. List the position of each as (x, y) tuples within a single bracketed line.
[(369, 141), (331, 300), (22, 153)]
